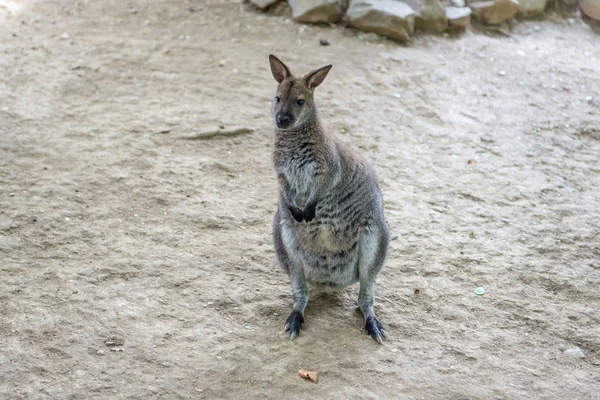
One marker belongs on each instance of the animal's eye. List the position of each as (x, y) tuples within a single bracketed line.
[(277, 99), (300, 102)]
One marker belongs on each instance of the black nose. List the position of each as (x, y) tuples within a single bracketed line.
[(283, 119)]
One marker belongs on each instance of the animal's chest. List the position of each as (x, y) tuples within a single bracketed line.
[(301, 177)]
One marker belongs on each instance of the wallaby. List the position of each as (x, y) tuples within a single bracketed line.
[(329, 228)]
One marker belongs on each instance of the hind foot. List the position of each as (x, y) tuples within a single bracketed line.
[(375, 329), (294, 323)]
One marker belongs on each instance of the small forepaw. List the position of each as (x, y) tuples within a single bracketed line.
[(375, 329), (310, 211), (297, 213), (294, 323)]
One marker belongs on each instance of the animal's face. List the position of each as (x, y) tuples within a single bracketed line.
[(293, 105)]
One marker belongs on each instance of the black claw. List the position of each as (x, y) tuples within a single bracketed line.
[(375, 329), (294, 323), (297, 213), (310, 211)]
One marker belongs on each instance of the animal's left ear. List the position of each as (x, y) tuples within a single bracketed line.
[(316, 77)]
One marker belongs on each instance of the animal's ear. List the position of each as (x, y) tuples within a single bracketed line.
[(316, 77), (278, 68)]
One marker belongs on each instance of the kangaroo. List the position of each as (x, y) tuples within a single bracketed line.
[(329, 228)]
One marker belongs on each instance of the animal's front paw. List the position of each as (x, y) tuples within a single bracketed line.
[(294, 323), (375, 329), (297, 213), (310, 211)]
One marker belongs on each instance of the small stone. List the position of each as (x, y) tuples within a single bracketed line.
[(501, 73), (222, 63), (521, 53), (64, 36), (574, 352), (324, 42), (133, 11), (589, 99), (100, 352), (479, 291), (114, 341)]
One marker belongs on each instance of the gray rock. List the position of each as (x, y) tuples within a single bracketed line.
[(591, 8), (316, 11), (574, 352), (531, 8), (458, 18), (262, 4), (494, 12), (389, 18), (458, 3)]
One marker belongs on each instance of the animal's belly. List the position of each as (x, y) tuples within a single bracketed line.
[(331, 257)]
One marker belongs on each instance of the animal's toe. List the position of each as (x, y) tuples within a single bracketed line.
[(375, 329), (294, 323)]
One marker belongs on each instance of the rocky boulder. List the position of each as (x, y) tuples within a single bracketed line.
[(316, 11), (531, 8), (494, 12), (431, 17), (458, 18), (390, 18)]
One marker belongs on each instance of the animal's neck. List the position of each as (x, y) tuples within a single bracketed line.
[(309, 133)]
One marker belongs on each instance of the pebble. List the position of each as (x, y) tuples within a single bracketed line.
[(589, 99), (64, 36), (501, 73), (520, 52), (574, 352), (222, 63), (100, 352), (479, 291)]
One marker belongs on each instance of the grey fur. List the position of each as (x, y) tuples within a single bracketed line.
[(329, 228)]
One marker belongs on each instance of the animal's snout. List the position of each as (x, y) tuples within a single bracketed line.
[(283, 120)]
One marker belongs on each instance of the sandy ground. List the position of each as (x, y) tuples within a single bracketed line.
[(115, 230)]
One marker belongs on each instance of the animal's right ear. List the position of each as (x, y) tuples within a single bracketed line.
[(279, 70)]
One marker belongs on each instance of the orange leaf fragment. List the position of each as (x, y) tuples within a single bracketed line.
[(308, 375)]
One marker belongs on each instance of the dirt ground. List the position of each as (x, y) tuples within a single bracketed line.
[(137, 264)]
